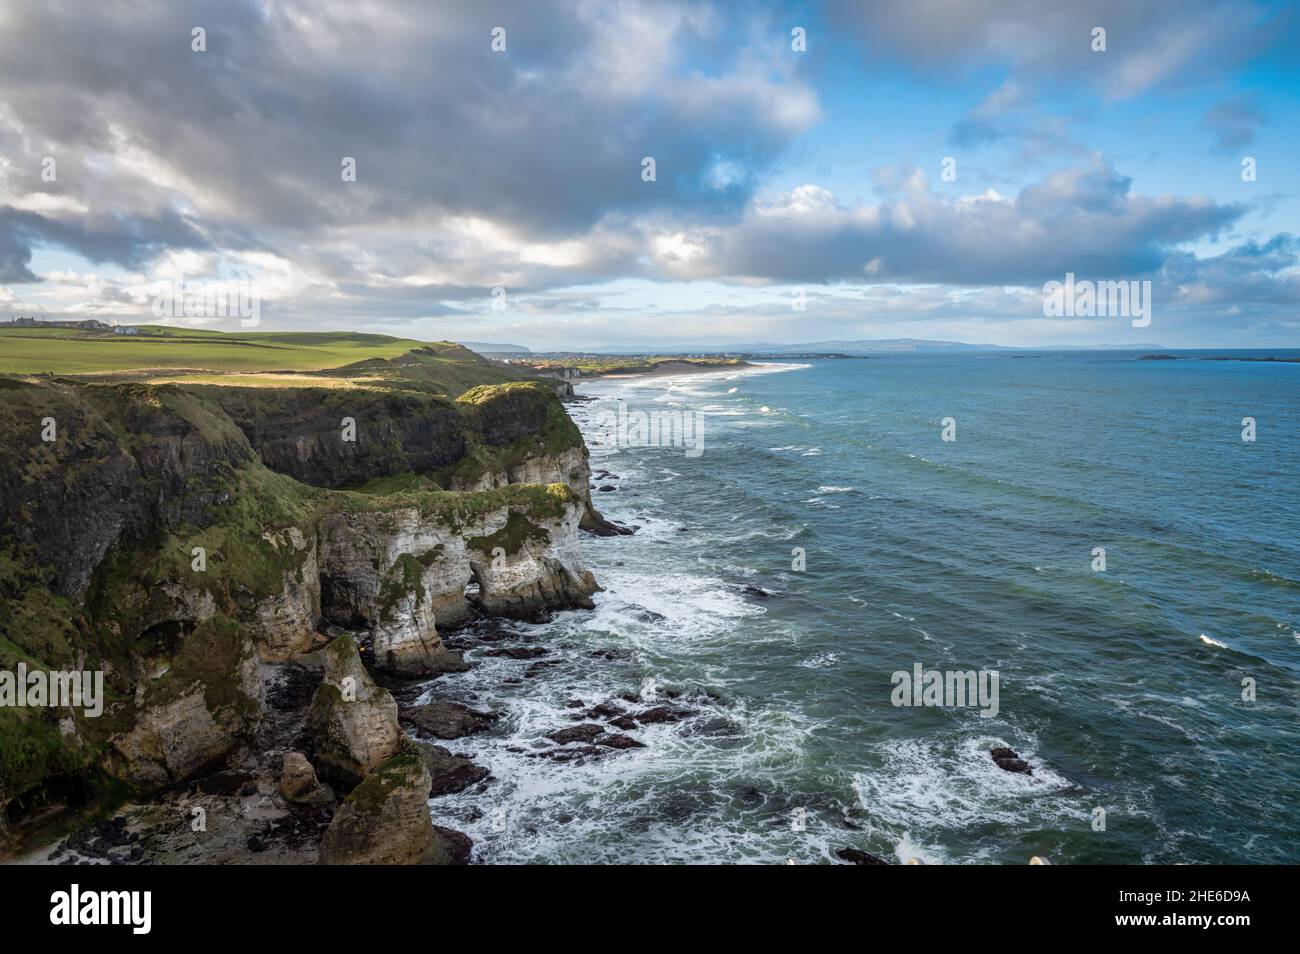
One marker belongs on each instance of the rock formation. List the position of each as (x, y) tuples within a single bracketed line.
[(299, 785), (352, 722), (385, 821), (179, 538)]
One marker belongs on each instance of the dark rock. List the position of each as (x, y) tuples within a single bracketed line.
[(457, 844), (623, 722), (606, 710), (449, 773), (660, 714), (448, 720), (517, 652), (587, 732), (854, 856), (1009, 760), (616, 740), (578, 753), (223, 783), (606, 488)]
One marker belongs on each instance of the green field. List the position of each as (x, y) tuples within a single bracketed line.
[(70, 351), (266, 359)]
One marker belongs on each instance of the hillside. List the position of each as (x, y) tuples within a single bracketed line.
[(158, 355)]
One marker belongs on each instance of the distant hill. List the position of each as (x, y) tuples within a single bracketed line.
[(871, 346), (888, 344), (487, 347)]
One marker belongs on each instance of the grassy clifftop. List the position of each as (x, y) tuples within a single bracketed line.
[(333, 359)]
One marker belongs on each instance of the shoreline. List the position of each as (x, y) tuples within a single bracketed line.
[(662, 370), (748, 367)]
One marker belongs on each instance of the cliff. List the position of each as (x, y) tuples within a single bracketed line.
[(179, 538)]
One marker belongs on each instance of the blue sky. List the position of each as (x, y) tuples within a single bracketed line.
[(781, 175)]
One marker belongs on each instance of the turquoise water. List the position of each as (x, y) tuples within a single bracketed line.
[(1122, 688)]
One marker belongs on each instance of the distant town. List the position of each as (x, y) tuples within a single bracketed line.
[(85, 324)]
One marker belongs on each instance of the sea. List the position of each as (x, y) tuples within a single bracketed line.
[(1095, 530)]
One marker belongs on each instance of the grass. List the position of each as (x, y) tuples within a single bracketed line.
[(73, 352), (337, 360)]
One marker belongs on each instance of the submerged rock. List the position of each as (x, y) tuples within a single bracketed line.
[(587, 732), (1008, 760), (448, 720), (449, 773), (517, 652), (857, 857)]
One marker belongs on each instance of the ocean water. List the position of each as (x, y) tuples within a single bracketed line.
[(1122, 688)]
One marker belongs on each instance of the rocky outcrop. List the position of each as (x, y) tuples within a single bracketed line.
[(195, 713), (396, 574), (284, 624), (1009, 760), (447, 720), (299, 785), (449, 773), (528, 563), (352, 722), (385, 821), (178, 538), (399, 571)]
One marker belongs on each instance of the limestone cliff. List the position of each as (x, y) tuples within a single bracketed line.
[(385, 821), (176, 538), (352, 722)]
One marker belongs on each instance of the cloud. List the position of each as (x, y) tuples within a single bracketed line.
[(1251, 273), (1050, 44), (547, 137), (523, 168), (1082, 219), (1234, 122)]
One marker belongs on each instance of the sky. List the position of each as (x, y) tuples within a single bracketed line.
[(821, 171)]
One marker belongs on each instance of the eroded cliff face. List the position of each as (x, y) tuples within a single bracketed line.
[(395, 573), (526, 564), (194, 713), (178, 539), (400, 574)]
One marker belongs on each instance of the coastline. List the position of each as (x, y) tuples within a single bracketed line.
[(663, 369)]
